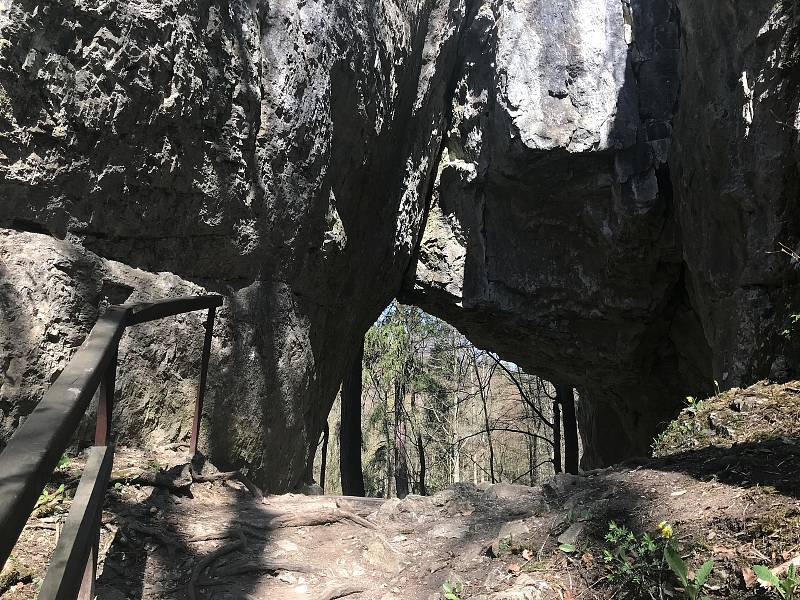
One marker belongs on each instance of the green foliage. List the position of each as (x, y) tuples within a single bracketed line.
[(634, 564), (63, 462), (692, 585), (46, 497), (693, 404), (452, 590), (787, 588), (793, 320), (567, 548)]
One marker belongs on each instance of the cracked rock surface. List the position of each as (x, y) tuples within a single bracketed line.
[(594, 189)]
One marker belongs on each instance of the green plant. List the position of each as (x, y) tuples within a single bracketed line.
[(63, 462), (692, 586), (634, 564), (693, 404), (46, 497), (793, 320), (787, 588), (452, 590)]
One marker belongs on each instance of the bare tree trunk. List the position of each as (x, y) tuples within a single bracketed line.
[(488, 434), (387, 488), (400, 465), (324, 462), (556, 436), (423, 490), (350, 469), (454, 430), (565, 397), (483, 388), (456, 464)]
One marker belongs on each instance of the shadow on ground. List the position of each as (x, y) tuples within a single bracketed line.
[(771, 463), (221, 558)]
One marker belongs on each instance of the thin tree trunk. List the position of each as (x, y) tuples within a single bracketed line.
[(400, 465), (483, 388), (387, 489), (324, 462), (556, 436), (488, 433), (566, 399), (423, 490), (350, 469)]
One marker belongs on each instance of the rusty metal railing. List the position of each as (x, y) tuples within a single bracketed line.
[(33, 452)]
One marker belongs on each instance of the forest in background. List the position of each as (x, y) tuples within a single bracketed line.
[(424, 408)]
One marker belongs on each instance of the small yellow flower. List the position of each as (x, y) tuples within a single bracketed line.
[(665, 529)]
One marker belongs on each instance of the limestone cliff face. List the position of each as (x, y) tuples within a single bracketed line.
[(551, 236), (737, 182), (615, 176), (277, 152), (588, 187)]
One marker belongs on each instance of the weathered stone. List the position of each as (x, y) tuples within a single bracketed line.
[(548, 214), (572, 534), (510, 491), (454, 531), (583, 219), (510, 532), (574, 233), (226, 147)]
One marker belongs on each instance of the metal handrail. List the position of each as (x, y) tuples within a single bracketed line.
[(34, 449)]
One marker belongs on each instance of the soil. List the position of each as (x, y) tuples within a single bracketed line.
[(724, 476)]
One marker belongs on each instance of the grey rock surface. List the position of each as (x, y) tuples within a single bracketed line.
[(594, 189), (616, 181), (549, 239), (278, 153)]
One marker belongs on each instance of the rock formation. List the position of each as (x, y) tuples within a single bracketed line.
[(608, 198), (588, 187), (278, 153)]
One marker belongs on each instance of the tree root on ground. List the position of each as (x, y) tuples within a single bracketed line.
[(200, 478), (317, 517), (263, 566), (171, 542), (239, 544), (341, 592)]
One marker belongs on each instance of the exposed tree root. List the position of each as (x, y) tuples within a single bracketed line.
[(341, 592), (173, 481), (261, 566), (239, 544), (252, 487), (200, 478), (317, 517)]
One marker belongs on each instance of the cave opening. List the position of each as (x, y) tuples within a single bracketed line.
[(422, 407)]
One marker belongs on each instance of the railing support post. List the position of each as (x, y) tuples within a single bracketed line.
[(201, 390), (105, 402), (89, 575)]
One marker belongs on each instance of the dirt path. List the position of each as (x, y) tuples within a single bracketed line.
[(169, 534)]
